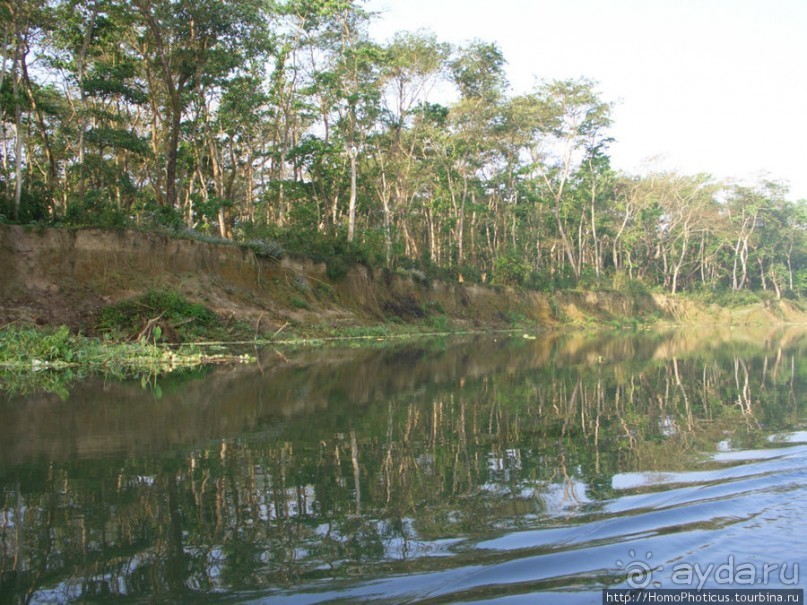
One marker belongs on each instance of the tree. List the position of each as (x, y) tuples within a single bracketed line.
[(188, 45), (781, 227), (345, 66), (478, 73), (571, 124), (412, 64), (684, 202), (25, 22), (743, 206), (107, 98)]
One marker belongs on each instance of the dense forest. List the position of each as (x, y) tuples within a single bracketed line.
[(283, 123)]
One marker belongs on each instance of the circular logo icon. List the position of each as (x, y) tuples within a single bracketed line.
[(639, 572)]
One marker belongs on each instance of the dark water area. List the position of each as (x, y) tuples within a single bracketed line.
[(493, 469)]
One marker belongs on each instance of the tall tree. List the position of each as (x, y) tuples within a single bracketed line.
[(572, 126), (25, 21), (345, 65), (412, 65), (744, 205), (685, 202), (187, 44), (478, 73)]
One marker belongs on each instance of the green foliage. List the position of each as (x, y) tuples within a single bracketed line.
[(206, 211), (31, 345), (510, 271), (555, 308), (332, 249), (34, 206), (550, 279), (800, 281), (479, 71), (470, 274), (155, 215), (117, 139), (176, 318), (264, 248), (298, 303), (94, 210), (440, 323), (516, 318), (729, 299), (621, 282), (625, 323), (49, 359)]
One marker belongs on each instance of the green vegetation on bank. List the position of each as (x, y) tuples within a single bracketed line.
[(50, 358), (160, 316), (160, 332)]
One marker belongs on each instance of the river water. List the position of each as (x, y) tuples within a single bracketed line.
[(494, 469)]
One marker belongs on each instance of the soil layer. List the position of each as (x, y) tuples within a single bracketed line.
[(54, 276)]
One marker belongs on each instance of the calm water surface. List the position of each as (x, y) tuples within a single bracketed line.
[(486, 469)]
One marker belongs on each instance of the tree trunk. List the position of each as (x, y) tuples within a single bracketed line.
[(790, 266), (735, 284), (51, 175), (19, 56), (172, 152), (461, 222), (595, 240), (775, 281), (387, 229), (762, 275), (351, 217), (678, 265)]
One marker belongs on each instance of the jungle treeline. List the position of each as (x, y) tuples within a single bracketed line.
[(284, 122)]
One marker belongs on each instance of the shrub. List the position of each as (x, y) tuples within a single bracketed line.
[(177, 318), (298, 303), (510, 271), (266, 248), (730, 299), (333, 249), (547, 280), (621, 282), (94, 210), (470, 274)]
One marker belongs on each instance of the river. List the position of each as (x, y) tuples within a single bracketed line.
[(495, 469)]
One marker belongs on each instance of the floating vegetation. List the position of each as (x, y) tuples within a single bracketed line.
[(50, 358)]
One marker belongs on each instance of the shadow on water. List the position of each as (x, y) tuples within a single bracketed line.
[(491, 469)]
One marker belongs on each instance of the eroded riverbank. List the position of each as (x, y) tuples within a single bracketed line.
[(68, 277)]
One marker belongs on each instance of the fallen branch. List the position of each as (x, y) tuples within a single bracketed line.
[(280, 330), (149, 327)]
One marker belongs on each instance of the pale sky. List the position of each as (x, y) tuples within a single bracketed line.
[(716, 86)]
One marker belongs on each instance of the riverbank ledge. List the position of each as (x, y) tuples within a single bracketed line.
[(54, 277)]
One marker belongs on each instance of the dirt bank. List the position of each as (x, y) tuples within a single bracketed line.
[(57, 276)]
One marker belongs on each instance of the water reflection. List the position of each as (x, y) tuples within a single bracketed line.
[(485, 467)]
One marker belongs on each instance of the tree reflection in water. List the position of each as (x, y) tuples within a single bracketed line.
[(344, 464)]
